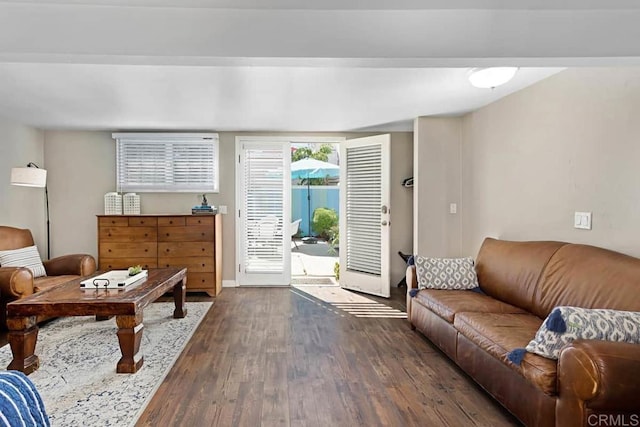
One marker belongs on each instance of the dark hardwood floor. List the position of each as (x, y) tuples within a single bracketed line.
[(267, 357)]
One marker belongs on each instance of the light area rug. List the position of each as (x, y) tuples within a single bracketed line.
[(77, 377)]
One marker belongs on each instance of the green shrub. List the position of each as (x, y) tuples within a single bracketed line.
[(323, 220), (336, 270), (334, 239)]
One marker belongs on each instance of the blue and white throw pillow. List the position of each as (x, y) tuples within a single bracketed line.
[(20, 402), (566, 324), (446, 273), (28, 257)]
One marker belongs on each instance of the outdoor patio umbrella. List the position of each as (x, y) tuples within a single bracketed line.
[(312, 168)]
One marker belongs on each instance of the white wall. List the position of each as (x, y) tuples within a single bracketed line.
[(82, 169), (22, 207), (436, 163), (568, 143), (401, 202)]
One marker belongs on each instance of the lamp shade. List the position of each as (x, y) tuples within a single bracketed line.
[(488, 78), (29, 177)]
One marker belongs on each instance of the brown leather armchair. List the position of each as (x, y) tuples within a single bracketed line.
[(18, 282)]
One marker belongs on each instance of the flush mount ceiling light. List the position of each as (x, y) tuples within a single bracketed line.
[(488, 78)]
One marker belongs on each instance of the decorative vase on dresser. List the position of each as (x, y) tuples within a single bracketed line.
[(191, 241)]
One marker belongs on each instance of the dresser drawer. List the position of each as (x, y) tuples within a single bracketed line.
[(200, 220), (127, 234), (128, 250), (201, 281), (171, 221), (185, 234), (185, 249), (173, 240), (114, 221), (193, 264), (124, 263), (142, 221)]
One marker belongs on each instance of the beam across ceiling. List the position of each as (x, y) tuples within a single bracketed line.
[(73, 33)]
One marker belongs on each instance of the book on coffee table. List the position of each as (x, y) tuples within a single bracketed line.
[(115, 279)]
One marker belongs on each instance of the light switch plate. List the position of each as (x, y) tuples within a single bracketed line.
[(222, 209), (453, 208), (582, 220)]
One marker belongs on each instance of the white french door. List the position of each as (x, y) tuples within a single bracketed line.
[(264, 197), (365, 214)]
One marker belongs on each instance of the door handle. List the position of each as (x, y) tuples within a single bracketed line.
[(384, 209)]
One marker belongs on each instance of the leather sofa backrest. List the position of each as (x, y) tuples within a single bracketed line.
[(510, 271), (590, 277), (14, 238)]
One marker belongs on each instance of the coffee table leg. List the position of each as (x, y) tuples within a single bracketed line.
[(129, 335), (23, 334), (179, 297)]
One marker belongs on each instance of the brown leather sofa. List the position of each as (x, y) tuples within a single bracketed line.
[(16, 282), (592, 383)]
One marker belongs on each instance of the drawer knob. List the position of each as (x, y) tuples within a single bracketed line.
[(145, 234), (203, 265), (202, 249), (203, 280), (109, 234), (146, 266), (146, 250), (203, 234), (167, 265), (113, 222), (110, 266), (109, 250), (167, 234), (170, 222), (199, 222), (167, 249)]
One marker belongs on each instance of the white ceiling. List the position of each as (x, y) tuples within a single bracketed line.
[(287, 65)]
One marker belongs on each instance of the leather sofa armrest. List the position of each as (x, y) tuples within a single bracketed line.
[(597, 377), (15, 282), (78, 264), (412, 283), (412, 279)]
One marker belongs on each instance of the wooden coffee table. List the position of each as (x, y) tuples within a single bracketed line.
[(69, 300)]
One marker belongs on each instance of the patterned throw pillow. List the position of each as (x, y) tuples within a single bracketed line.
[(446, 273), (24, 257), (566, 324)]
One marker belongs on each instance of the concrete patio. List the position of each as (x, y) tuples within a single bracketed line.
[(312, 260)]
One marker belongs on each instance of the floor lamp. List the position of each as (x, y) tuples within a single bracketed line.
[(34, 176)]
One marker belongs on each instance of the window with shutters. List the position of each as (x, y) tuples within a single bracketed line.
[(167, 162)]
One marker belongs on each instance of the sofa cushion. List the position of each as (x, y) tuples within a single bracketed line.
[(42, 283), (567, 324), (589, 277), (499, 333), (510, 271), (446, 303), (27, 257), (445, 273)]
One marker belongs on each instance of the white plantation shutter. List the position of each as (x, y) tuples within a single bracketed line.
[(264, 201), (363, 215), (157, 162)]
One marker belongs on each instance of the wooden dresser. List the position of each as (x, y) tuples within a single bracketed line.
[(191, 241)]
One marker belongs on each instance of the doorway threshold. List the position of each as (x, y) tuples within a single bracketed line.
[(306, 280)]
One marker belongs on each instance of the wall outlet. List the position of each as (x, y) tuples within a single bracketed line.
[(582, 220), (222, 209), (453, 208)]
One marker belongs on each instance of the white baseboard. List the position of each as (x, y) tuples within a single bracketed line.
[(229, 284)]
